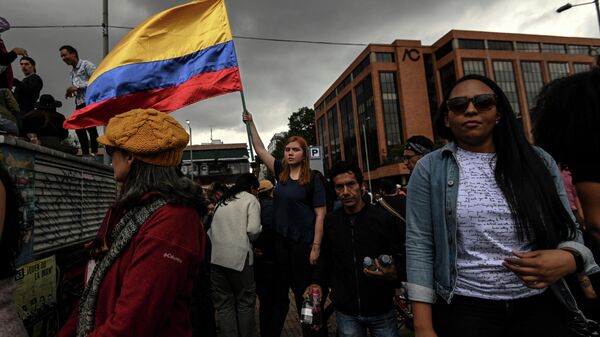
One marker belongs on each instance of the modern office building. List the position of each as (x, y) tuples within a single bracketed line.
[(391, 91)]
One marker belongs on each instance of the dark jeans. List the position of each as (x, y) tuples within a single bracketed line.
[(83, 140), (293, 271), (384, 325), (536, 316), (265, 273)]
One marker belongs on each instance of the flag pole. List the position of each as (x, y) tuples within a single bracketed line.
[(247, 126)]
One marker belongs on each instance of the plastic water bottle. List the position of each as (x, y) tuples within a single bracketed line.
[(385, 260), (369, 264), (316, 309), (306, 315)]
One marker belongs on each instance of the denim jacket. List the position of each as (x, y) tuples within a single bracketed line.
[(431, 229)]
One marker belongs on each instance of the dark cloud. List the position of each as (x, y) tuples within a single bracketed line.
[(278, 78)]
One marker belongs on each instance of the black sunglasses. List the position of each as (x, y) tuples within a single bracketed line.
[(481, 102)]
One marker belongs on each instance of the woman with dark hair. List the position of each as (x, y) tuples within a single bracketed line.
[(148, 248), (10, 239), (235, 223), (489, 231), (568, 127), (298, 214)]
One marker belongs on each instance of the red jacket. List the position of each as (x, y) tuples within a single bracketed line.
[(147, 291)]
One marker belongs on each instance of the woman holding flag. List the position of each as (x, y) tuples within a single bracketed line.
[(298, 214)]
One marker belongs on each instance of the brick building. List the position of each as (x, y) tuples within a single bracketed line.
[(392, 91)]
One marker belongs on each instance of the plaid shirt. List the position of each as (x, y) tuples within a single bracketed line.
[(80, 74)]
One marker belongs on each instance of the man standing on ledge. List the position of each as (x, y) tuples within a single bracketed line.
[(80, 74), (362, 296), (27, 91)]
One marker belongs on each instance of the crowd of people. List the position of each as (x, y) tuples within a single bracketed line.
[(27, 113), (490, 238)]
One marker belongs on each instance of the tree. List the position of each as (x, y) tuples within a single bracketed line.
[(302, 123)]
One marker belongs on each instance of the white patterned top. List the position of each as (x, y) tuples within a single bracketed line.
[(486, 233)]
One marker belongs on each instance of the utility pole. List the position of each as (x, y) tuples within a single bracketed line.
[(105, 52)]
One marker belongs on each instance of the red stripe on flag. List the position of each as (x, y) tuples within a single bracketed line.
[(197, 88)]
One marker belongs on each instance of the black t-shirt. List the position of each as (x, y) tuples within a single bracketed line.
[(293, 217)]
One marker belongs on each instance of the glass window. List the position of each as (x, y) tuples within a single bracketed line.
[(505, 77), (384, 57), (471, 44), (474, 67), (553, 48), (330, 97), (581, 67), (361, 66), (344, 83), (391, 117), (366, 116), (431, 90), (444, 50), (532, 78), (576, 49), (500, 45), (558, 70), (528, 46), (348, 131), (320, 107), (448, 77), (334, 139), (594, 50)]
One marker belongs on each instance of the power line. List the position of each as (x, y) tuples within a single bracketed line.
[(235, 37), (59, 26)]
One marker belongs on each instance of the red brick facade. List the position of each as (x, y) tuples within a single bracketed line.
[(407, 82)]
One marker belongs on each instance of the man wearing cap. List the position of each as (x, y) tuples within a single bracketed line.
[(81, 72), (7, 57), (27, 91), (415, 148)]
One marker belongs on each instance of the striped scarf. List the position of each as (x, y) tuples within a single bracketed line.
[(120, 236)]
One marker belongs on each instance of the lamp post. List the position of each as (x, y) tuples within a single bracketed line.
[(569, 6), (367, 153), (191, 152)]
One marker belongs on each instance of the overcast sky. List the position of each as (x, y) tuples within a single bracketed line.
[(278, 77)]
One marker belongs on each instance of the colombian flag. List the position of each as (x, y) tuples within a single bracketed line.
[(175, 58)]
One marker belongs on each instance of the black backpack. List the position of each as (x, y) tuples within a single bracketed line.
[(329, 194)]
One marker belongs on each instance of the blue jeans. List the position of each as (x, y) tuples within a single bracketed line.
[(384, 325)]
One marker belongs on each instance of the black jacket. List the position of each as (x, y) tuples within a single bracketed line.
[(27, 92), (340, 263)]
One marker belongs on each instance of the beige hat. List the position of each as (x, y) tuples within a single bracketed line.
[(264, 186)]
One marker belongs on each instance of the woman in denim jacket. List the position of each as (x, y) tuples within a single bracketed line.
[(489, 232)]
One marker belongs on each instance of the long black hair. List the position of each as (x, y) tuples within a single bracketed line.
[(568, 117), (243, 183), (144, 178), (522, 176), (10, 244)]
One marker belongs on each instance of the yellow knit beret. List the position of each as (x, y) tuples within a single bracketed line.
[(149, 135)]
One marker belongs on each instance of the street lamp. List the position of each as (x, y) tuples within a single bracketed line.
[(191, 152), (367, 152), (569, 6)]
